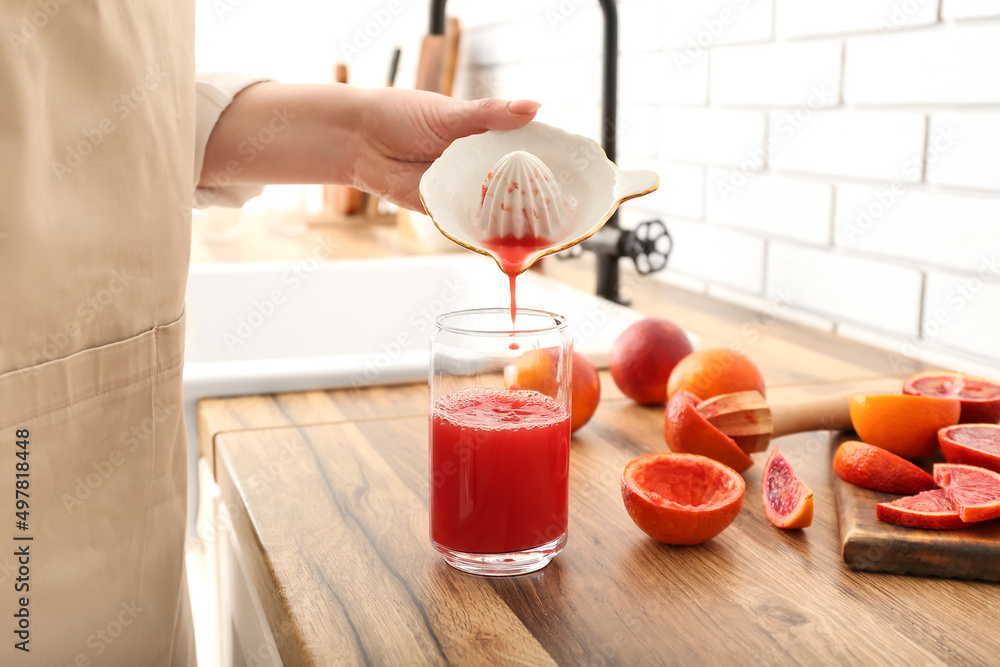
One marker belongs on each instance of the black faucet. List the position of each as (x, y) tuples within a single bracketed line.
[(649, 243)]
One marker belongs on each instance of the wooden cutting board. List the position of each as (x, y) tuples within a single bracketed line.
[(868, 544)]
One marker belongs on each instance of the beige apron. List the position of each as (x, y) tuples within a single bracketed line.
[(96, 148)]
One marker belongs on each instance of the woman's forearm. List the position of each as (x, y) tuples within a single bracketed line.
[(380, 140), (286, 133)]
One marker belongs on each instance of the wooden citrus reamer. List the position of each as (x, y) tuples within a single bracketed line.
[(752, 422)]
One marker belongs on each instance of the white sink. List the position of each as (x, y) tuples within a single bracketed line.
[(269, 327)]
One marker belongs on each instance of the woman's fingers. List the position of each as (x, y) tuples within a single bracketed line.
[(476, 116)]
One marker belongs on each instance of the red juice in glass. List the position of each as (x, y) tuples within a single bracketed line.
[(499, 470)]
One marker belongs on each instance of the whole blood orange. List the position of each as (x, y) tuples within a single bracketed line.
[(715, 371), (974, 490), (980, 397), (535, 370), (875, 468), (586, 390), (904, 425), (643, 356), (687, 431), (681, 498), (972, 444), (930, 509), (538, 370), (788, 502)]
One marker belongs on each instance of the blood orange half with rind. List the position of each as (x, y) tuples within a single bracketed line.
[(681, 499), (974, 490), (904, 425), (687, 431), (980, 396), (788, 502), (972, 444), (931, 509)]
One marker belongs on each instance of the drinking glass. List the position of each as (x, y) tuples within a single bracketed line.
[(499, 439)]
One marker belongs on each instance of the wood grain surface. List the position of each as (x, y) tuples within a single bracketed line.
[(876, 546), (335, 518)]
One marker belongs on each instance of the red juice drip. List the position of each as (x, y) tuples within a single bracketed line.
[(513, 253), (512, 276), (499, 470)]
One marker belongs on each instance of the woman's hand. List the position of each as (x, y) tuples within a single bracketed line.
[(404, 131), (378, 140)]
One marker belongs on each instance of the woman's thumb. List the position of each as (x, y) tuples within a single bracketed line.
[(493, 114)]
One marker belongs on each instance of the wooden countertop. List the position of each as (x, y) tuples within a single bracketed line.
[(327, 494)]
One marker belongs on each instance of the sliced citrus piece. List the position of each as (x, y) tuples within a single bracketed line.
[(905, 425), (974, 490), (875, 468), (930, 509), (681, 498), (972, 444), (980, 396), (788, 502), (686, 431)]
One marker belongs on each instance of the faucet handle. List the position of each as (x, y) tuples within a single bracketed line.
[(649, 245)]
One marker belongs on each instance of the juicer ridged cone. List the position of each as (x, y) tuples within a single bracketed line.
[(521, 198)]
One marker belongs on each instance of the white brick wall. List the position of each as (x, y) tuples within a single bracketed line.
[(676, 81), (775, 74), (943, 65), (774, 125), (681, 191), (855, 144), (864, 291), (645, 21), (798, 18), (697, 26), (637, 131), (964, 150), (965, 9), (773, 205), (721, 256), (947, 230), (963, 311), (710, 136)]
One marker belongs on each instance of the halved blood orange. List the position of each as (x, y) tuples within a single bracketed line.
[(930, 509), (875, 468), (788, 502), (980, 397), (686, 431), (681, 498), (974, 490), (905, 425), (972, 444)]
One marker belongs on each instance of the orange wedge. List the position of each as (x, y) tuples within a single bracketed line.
[(788, 502)]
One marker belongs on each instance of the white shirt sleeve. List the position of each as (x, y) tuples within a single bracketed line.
[(213, 93)]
